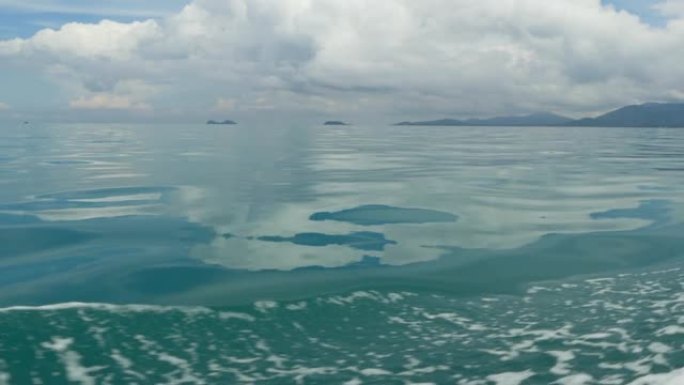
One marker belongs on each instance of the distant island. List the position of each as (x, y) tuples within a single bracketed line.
[(643, 115), (335, 123), (540, 119), (223, 122)]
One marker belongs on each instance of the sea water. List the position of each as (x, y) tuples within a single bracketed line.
[(193, 254)]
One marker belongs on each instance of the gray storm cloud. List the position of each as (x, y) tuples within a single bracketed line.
[(383, 58)]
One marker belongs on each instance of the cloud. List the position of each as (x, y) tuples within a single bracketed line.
[(383, 58), (107, 102), (670, 8), (4, 106), (105, 40), (225, 104)]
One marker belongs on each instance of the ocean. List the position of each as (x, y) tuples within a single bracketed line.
[(371, 254)]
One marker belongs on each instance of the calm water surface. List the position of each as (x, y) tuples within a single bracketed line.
[(192, 254)]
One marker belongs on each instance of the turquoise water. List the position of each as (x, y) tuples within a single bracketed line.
[(180, 254)]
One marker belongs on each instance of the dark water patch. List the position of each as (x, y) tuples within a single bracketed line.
[(553, 257), (170, 279), (153, 231), (361, 240), (28, 271), (16, 241), (16, 219), (657, 210), (655, 188), (369, 215), (89, 260), (157, 232)]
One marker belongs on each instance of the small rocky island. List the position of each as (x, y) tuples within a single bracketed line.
[(335, 123), (223, 122)]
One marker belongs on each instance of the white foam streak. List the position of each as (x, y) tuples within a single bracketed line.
[(104, 307), (72, 361), (675, 377), (510, 378), (131, 308)]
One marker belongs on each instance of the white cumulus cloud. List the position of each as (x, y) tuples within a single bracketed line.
[(398, 58), (225, 104), (671, 8), (107, 102)]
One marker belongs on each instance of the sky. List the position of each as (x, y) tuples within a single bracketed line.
[(356, 60)]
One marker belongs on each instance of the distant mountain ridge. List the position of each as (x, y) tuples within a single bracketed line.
[(643, 115), (539, 119)]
